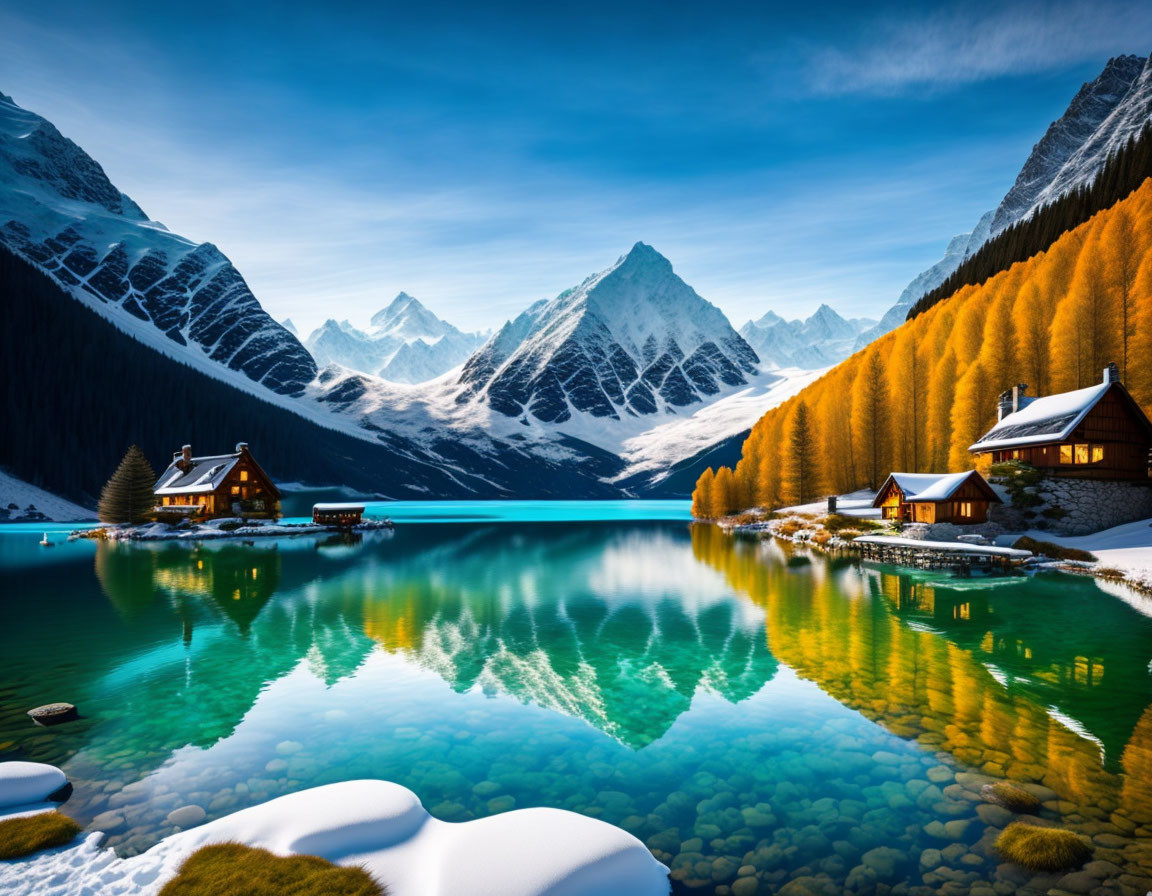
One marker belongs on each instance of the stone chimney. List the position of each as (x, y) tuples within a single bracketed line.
[(1112, 373), (1004, 404), (184, 461), (1018, 396)]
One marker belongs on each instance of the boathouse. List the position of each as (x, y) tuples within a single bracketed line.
[(958, 498), (219, 485), (337, 514), (1094, 433)]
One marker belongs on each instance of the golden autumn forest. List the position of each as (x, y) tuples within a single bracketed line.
[(916, 398)]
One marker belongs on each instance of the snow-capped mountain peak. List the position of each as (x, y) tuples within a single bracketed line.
[(634, 339)]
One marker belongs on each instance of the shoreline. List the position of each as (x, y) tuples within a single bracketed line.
[(209, 532)]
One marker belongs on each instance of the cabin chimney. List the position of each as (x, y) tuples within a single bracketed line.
[(184, 458), (1004, 404), (1018, 398), (1112, 373)]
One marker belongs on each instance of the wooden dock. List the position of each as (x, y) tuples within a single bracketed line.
[(960, 557)]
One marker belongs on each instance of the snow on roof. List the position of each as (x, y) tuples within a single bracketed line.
[(205, 475), (1051, 418), (337, 508), (927, 486)]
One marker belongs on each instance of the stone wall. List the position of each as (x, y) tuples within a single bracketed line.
[(1074, 506)]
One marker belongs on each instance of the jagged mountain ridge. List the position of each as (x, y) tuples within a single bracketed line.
[(1105, 113), (59, 210), (633, 340), (823, 339), (406, 343)]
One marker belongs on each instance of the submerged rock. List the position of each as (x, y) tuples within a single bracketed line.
[(53, 713)]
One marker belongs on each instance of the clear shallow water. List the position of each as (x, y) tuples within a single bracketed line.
[(745, 713)]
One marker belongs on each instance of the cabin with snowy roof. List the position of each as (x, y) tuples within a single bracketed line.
[(1094, 433), (219, 485), (958, 498)]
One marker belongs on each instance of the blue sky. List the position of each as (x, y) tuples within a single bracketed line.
[(483, 156)]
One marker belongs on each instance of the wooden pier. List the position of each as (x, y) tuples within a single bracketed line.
[(960, 557)]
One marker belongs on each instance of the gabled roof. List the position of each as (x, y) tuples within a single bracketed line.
[(1048, 419), (205, 475), (932, 486)]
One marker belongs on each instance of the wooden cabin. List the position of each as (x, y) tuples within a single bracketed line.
[(959, 498), (1094, 433), (337, 514), (219, 485)]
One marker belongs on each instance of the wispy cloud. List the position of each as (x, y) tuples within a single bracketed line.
[(961, 45)]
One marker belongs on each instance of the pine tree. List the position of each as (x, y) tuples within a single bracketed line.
[(128, 497), (723, 493), (702, 495), (870, 419), (1121, 250), (800, 466)]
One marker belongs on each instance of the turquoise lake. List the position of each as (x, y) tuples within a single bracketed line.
[(762, 718)]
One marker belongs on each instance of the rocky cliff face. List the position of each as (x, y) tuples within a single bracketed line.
[(632, 340), (1104, 114), (59, 210)]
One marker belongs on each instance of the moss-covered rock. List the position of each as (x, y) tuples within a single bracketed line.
[(1011, 797), (1042, 849), (29, 834), (235, 868)]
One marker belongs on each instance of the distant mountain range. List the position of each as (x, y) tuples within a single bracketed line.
[(822, 340), (406, 343), (1103, 115), (629, 383)]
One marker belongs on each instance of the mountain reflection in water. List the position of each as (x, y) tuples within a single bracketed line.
[(730, 708)]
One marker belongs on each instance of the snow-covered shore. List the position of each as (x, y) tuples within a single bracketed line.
[(34, 504), (219, 529), (382, 827), (1122, 553)]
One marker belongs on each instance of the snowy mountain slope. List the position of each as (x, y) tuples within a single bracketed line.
[(822, 340), (406, 343), (1104, 113), (59, 210), (634, 340)]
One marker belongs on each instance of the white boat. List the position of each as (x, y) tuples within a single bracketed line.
[(44, 542)]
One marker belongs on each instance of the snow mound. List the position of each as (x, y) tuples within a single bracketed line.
[(383, 827), (22, 783)]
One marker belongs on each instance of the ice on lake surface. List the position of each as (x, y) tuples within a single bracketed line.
[(749, 720)]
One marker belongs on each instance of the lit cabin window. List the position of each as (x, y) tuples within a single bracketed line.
[(966, 508), (1097, 453), (1082, 454), (235, 489), (243, 475), (1065, 454)]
